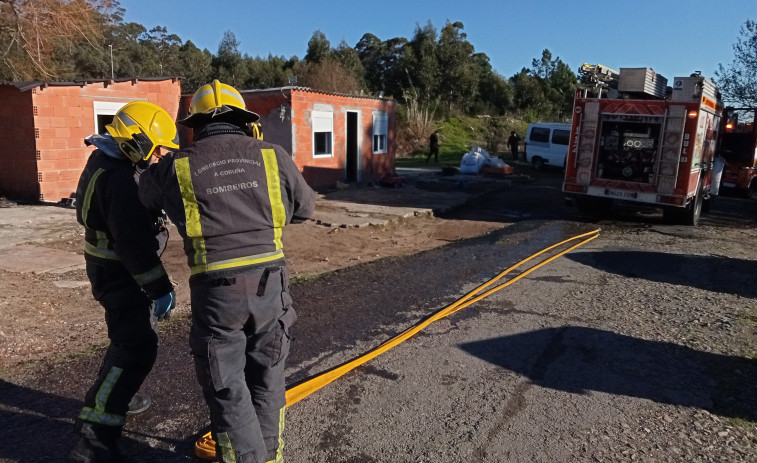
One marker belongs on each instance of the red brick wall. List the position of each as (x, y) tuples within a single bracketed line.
[(325, 171), (18, 163), (62, 117)]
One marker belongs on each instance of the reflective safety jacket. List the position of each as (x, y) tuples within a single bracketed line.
[(230, 196), (118, 229)]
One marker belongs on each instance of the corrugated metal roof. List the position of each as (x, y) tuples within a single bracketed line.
[(24, 86), (308, 89)]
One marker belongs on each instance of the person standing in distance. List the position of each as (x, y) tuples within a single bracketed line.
[(122, 254), (433, 146), (513, 143), (230, 195)]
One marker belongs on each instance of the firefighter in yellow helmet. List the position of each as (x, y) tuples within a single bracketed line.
[(230, 195), (122, 254)]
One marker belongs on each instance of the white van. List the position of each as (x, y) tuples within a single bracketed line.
[(547, 144)]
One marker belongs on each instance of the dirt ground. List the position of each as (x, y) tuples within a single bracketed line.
[(41, 319)]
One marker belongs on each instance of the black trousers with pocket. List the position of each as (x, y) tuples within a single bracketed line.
[(130, 356), (240, 340)]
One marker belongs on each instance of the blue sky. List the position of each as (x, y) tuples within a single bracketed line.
[(675, 38)]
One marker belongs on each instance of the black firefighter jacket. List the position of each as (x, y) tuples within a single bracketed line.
[(119, 230), (230, 196)]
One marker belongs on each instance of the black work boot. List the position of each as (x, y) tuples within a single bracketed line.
[(138, 404), (90, 449)]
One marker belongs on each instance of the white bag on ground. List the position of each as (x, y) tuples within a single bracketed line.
[(473, 160)]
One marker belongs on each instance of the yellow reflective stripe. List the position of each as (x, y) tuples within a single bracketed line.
[(227, 451), (191, 210), (102, 253), (280, 450), (150, 275), (274, 194), (97, 414), (88, 195), (238, 262), (102, 239)]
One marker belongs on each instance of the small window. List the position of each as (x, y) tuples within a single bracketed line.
[(561, 137), (539, 134), (323, 133), (104, 112), (380, 129)]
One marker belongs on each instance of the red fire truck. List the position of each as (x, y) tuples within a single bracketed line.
[(641, 141), (738, 148)]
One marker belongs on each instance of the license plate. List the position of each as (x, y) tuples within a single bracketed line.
[(621, 194)]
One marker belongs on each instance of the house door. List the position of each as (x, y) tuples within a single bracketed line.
[(352, 161)]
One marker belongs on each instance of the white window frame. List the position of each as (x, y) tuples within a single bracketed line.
[(380, 133), (106, 108), (323, 122)]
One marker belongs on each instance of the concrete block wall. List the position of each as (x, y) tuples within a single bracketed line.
[(62, 116), (18, 163)]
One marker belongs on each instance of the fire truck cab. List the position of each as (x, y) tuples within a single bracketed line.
[(641, 141), (738, 148)]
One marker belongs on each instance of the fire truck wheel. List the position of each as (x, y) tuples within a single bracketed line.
[(694, 211), (751, 191)]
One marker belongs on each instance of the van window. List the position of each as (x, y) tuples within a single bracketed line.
[(561, 137), (540, 134)]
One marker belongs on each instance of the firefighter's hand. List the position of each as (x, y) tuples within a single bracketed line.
[(162, 306)]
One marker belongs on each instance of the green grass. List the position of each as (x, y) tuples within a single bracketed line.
[(459, 134)]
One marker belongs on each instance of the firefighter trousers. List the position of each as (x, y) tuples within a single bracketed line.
[(240, 339), (130, 356)]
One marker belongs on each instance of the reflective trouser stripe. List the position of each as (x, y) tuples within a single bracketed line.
[(97, 414), (238, 262), (227, 452), (191, 210), (274, 194), (280, 451)]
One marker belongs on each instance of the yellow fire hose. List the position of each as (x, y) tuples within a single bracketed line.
[(205, 445)]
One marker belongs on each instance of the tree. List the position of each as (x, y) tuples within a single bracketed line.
[(738, 80), (349, 59), (197, 66), (458, 76), (228, 64), (327, 76), (382, 63), (318, 48), (269, 73), (36, 36), (421, 64), (166, 48), (528, 96)]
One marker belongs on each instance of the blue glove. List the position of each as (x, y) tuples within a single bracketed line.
[(161, 307)]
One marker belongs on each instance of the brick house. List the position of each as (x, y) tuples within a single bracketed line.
[(332, 137), (42, 151)]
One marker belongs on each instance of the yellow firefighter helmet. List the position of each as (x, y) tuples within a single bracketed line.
[(140, 127), (217, 100)]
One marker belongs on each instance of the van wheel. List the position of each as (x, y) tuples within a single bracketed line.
[(538, 163)]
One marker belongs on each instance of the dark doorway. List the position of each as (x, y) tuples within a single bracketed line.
[(352, 160)]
